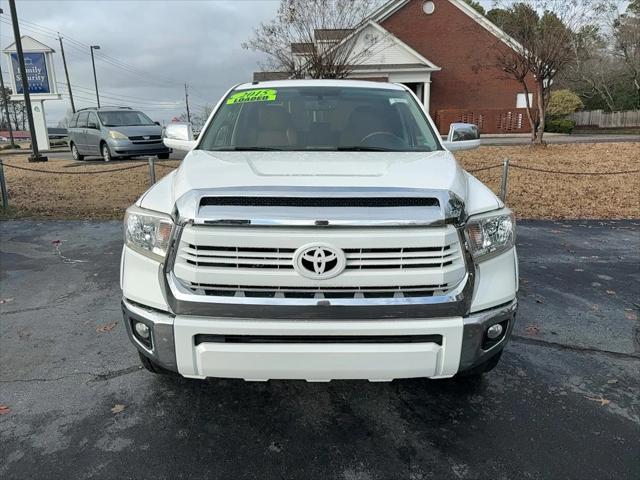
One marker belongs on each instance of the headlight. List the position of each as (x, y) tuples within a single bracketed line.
[(490, 235), (117, 135), (147, 232)]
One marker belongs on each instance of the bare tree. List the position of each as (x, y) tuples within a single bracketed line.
[(543, 31), (311, 38), (626, 36)]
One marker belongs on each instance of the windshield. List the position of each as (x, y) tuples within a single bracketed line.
[(320, 118), (124, 118)]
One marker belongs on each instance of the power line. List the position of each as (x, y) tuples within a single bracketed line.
[(83, 47)]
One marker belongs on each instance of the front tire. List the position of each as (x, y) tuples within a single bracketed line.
[(106, 153), (75, 153)]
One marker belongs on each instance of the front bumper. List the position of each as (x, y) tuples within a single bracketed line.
[(382, 350), (127, 147)]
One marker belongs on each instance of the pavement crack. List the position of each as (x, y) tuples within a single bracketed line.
[(573, 348), (103, 377), (97, 377)]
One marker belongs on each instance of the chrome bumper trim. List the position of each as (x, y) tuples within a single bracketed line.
[(475, 326), (163, 349)]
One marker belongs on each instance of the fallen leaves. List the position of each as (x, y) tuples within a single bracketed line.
[(630, 315), (117, 408), (532, 330), (4, 410), (106, 328), (600, 399)]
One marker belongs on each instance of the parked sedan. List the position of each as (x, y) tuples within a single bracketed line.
[(114, 132)]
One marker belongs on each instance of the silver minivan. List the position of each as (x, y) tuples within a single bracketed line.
[(112, 132)]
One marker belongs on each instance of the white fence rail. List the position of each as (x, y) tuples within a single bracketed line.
[(602, 119)]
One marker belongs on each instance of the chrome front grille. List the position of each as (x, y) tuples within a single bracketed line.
[(227, 261), (282, 258)]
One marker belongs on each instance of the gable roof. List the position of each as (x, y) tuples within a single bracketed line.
[(29, 44), (419, 59), (392, 6)]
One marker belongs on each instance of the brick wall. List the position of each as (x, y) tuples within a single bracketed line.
[(464, 50)]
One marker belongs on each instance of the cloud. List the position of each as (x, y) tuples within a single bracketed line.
[(170, 42)]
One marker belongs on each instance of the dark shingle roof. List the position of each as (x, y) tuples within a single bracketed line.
[(331, 34)]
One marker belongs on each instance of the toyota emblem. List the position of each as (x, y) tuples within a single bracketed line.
[(146, 137), (319, 261)]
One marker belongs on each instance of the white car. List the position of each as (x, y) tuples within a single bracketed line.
[(319, 230)]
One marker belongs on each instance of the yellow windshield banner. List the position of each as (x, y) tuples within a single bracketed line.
[(262, 95)]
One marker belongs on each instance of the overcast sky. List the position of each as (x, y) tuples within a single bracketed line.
[(168, 42)]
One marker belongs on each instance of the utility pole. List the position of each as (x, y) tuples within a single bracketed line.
[(36, 157), (186, 100), (95, 78), (5, 102), (66, 73)]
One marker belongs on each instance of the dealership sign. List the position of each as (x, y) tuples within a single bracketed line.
[(41, 82), (38, 63), (35, 64)]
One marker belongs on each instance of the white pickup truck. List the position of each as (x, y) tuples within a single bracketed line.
[(319, 230)]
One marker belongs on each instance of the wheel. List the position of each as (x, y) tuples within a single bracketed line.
[(163, 156), (152, 366), (483, 368), (106, 153), (75, 153)]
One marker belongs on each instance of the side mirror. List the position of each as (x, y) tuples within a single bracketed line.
[(179, 136), (157, 123), (92, 125), (462, 136)]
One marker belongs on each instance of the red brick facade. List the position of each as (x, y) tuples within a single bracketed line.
[(466, 52)]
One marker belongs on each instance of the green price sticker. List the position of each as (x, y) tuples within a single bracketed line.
[(263, 95)]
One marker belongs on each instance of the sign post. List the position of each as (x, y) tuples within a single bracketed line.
[(41, 83)]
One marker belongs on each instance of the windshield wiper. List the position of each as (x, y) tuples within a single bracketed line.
[(360, 148), (248, 149)]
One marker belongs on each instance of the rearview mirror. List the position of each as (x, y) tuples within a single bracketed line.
[(179, 136), (462, 136)]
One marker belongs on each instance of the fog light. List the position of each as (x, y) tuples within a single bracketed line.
[(494, 331), (142, 330)]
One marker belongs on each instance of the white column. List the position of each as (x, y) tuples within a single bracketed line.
[(426, 89), (40, 124)]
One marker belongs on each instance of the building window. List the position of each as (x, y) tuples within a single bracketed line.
[(428, 7), (521, 100)]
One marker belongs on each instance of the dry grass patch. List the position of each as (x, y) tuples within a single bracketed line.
[(95, 195), (546, 195), (531, 194)]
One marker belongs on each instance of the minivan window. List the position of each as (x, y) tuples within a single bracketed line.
[(82, 119), (308, 118), (124, 118), (73, 122), (93, 118)]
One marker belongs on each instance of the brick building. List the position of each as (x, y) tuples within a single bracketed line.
[(445, 51)]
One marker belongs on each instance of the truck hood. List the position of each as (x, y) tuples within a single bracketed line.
[(202, 170), (425, 170)]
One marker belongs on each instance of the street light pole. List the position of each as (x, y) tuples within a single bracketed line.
[(36, 157), (95, 78)]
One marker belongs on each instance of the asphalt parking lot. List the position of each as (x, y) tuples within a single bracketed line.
[(564, 403)]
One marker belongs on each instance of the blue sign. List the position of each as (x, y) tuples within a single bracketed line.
[(37, 75)]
